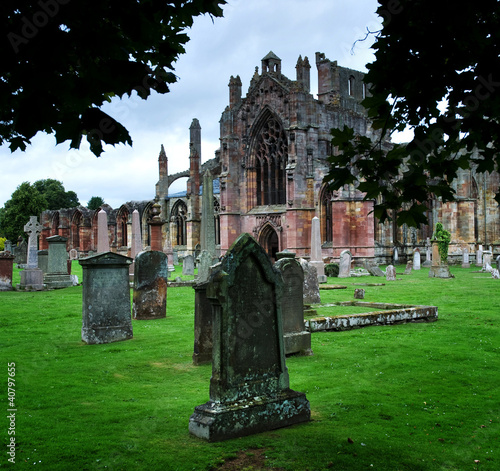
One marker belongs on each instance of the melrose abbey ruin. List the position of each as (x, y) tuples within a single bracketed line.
[(268, 181)]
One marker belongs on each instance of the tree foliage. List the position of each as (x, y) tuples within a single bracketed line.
[(437, 71), (55, 194), (26, 201), (61, 60), (95, 202)]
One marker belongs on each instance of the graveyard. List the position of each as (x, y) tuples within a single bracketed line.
[(414, 396)]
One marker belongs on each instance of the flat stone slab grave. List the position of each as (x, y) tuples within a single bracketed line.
[(388, 314)]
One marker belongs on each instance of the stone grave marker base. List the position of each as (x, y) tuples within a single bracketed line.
[(95, 334), (56, 280), (298, 343), (440, 271), (32, 279), (215, 421)]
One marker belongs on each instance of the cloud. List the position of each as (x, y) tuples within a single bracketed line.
[(218, 48)]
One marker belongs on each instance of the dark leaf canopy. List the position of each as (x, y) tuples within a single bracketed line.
[(437, 71), (61, 60)]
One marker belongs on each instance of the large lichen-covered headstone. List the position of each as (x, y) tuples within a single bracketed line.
[(297, 339), (249, 388), (57, 264), (150, 285), (106, 315)]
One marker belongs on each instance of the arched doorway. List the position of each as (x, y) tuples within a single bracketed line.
[(270, 241)]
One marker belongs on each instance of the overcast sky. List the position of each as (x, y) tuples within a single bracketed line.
[(233, 45)]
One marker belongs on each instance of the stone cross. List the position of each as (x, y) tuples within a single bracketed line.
[(33, 229)]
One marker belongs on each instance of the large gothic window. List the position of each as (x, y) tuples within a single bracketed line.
[(269, 163)]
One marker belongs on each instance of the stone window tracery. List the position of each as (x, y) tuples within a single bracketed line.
[(270, 159)]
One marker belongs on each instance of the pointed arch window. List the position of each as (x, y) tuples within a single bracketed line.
[(178, 218), (270, 155)]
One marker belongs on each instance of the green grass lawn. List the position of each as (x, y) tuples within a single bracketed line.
[(406, 397)]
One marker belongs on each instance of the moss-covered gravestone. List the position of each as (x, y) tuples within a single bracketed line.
[(150, 285), (106, 315), (249, 388)]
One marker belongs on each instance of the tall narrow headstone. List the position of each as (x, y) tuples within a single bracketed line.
[(136, 245), (102, 232), (395, 256), (249, 388), (150, 285), (345, 264), (8, 246), (428, 253), (106, 315), (390, 273), (487, 255), (32, 276), (465, 257), (408, 268), (311, 286), (416, 259), (57, 264), (316, 256), (207, 215), (6, 270), (188, 265), (297, 339), (479, 256), (155, 224), (203, 315), (20, 252), (498, 263)]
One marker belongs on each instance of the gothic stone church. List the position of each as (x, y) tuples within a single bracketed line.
[(268, 180)]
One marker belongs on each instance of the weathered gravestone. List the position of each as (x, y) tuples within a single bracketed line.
[(57, 264), (106, 313), (498, 262), (372, 268), (206, 260), (249, 388), (188, 265), (32, 276), (150, 285), (408, 268), (316, 256), (43, 260), (428, 253), (416, 259), (73, 254), (359, 293), (7, 246), (487, 255), (297, 339), (311, 285), (175, 256), (345, 264), (395, 256), (390, 273), (465, 257), (203, 316), (479, 256), (495, 274), (6, 270), (20, 252)]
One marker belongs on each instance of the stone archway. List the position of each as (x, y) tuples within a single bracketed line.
[(269, 239)]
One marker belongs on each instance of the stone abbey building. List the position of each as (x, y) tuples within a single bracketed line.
[(268, 180)]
